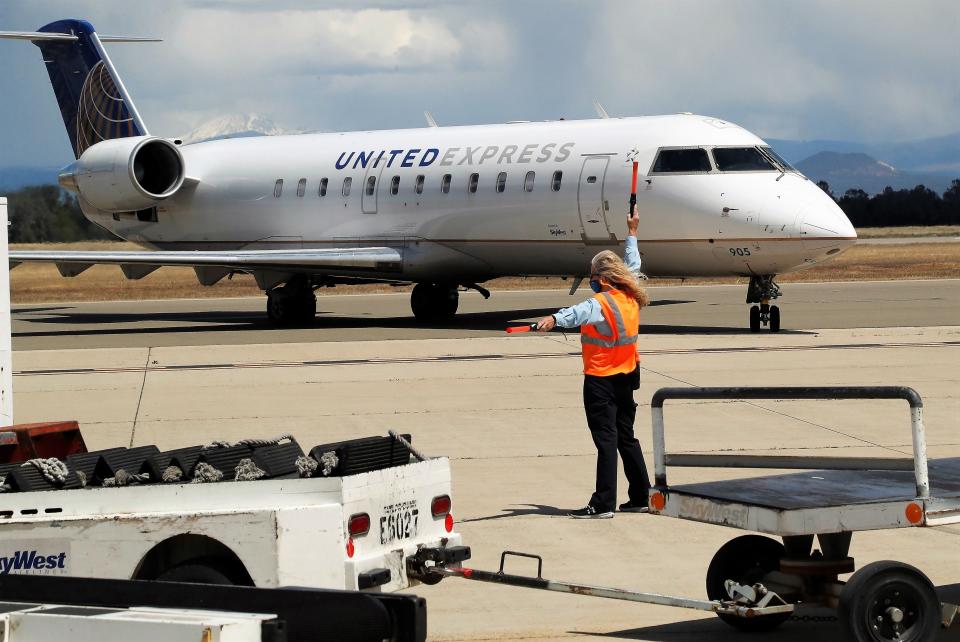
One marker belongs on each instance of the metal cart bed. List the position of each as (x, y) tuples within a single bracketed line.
[(832, 499), (756, 582)]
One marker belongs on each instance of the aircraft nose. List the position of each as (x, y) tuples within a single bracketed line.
[(821, 219)]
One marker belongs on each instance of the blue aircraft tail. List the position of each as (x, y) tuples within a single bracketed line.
[(93, 101)]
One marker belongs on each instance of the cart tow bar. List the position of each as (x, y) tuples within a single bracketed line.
[(746, 601)]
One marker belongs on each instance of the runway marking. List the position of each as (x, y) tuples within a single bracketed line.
[(467, 357)]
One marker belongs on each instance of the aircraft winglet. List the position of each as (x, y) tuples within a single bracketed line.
[(601, 112)]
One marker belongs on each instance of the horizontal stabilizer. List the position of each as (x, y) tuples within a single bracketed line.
[(36, 36), (40, 36), (128, 39), (381, 259)]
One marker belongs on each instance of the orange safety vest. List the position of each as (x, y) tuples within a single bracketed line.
[(614, 349)]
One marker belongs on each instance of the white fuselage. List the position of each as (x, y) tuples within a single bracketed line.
[(699, 223)]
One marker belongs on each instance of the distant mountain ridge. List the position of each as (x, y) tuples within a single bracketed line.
[(856, 170), (940, 155), (236, 126)]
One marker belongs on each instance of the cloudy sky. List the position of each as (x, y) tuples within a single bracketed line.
[(861, 70)]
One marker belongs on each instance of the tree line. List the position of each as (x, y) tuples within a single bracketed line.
[(48, 214), (897, 208)]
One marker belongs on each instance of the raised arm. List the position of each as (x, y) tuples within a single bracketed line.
[(631, 255)]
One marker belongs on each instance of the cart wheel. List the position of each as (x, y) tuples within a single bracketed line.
[(745, 560), (195, 574), (889, 601)]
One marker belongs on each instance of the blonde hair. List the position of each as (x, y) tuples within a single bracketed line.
[(611, 267)]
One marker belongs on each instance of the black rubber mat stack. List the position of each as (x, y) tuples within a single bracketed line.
[(364, 455), (128, 459), (86, 463), (183, 458), (224, 459), (278, 461), (5, 470), (26, 479)]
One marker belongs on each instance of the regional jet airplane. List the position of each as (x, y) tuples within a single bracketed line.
[(443, 208)]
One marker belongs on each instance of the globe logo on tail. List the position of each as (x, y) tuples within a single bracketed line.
[(102, 114)]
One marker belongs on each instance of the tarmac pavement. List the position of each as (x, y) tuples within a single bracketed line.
[(508, 412), (679, 309)]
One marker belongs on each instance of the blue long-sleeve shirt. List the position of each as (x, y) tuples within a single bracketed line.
[(589, 311)]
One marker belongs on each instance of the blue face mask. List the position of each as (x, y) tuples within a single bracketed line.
[(595, 285)]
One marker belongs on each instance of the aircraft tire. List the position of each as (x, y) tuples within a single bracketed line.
[(275, 308), (754, 318), (291, 310), (434, 302), (774, 318)]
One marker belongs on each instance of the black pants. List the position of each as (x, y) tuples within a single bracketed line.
[(610, 409)]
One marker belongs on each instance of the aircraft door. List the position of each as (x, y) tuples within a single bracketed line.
[(371, 189), (591, 199)]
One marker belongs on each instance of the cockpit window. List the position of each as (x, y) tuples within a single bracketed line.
[(681, 161), (742, 159), (777, 158)]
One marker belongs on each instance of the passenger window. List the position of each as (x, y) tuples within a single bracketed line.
[(741, 159), (301, 187), (557, 179), (501, 182), (418, 186), (591, 179), (474, 181), (395, 185), (322, 191), (278, 188), (347, 183), (371, 185), (528, 181), (681, 161), (445, 184)]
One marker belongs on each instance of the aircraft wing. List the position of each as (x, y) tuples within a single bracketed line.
[(136, 264)]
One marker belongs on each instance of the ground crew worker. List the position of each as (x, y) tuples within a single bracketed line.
[(609, 323)]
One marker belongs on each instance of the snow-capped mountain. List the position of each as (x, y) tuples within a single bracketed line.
[(856, 170), (236, 126)]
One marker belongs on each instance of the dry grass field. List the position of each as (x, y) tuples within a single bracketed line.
[(907, 232), (42, 283)]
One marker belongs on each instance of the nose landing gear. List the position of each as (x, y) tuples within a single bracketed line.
[(760, 291)]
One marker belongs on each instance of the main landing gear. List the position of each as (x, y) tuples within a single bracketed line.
[(437, 302), (760, 291), (292, 303)]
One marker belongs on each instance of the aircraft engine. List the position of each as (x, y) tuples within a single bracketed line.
[(126, 174)]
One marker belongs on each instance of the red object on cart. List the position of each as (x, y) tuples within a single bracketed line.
[(58, 439)]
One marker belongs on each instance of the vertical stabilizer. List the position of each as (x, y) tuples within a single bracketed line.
[(93, 101)]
